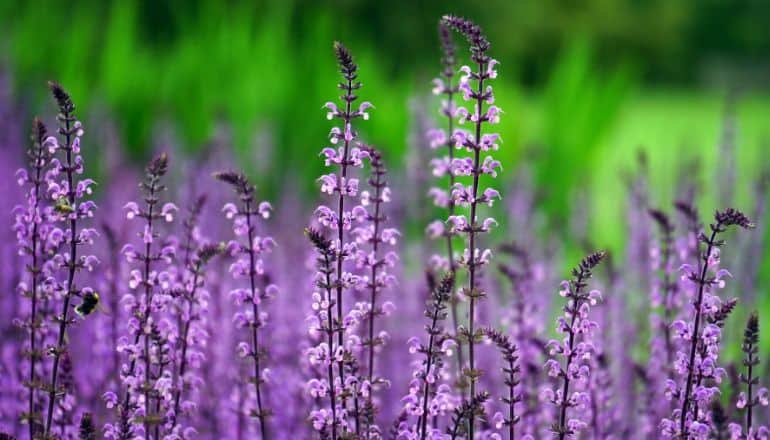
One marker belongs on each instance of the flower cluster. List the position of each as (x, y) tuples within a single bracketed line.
[(697, 361), (347, 153), (145, 375), (250, 251), (428, 397), (474, 87), (191, 310), (180, 347), (576, 349), (326, 421), (748, 400), (666, 301), (371, 257), (524, 328), (69, 194), (33, 224), (511, 371)]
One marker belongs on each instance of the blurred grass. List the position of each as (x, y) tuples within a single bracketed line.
[(267, 67)]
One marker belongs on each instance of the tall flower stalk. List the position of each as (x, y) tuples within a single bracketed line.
[(324, 323), (71, 208), (442, 138), (146, 357), (371, 257), (576, 347), (32, 226), (753, 396), (192, 308), (427, 398), (348, 155), (471, 196), (250, 250), (511, 371), (704, 282)]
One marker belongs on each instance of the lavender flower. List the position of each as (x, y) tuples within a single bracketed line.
[(69, 193), (576, 347), (525, 331), (324, 323), (349, 155), (698, 365), (192, 307), (469, 196), (376, 262), (427, 398), (33, 224), (666, 301), (442, 166), (471, 409), (749, 400), (511, 372), (250, 264), (145, 376)]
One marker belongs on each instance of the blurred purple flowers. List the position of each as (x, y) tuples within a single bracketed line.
[(364, 340)]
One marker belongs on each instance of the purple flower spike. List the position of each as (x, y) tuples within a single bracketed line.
[(445, 165), (250, 251), (33, 225), (474, 85), (576, 349), (69, 194), (344, 187), (146, 375), (697, 363)]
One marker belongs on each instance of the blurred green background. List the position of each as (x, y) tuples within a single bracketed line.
[(585, 84)]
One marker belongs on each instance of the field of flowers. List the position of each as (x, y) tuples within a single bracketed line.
[(180, 303)]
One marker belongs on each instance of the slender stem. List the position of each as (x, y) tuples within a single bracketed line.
[(148, 294), (565, 389), (184, 336), (512, 401), (340, 224), (72, 266), (450, 250), (428, 364), (378, 185), (35, 272), (696, 331), (472, 247), (330, 341), (255, 326), (750, 391)]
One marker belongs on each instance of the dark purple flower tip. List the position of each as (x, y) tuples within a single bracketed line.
[(687, 210), (720, 316), (345, 60), (210, 250), (731, 216), (237, 180), (503, 342), (592, 260), (39, 130), (661, 218), (447, 47), (320, 242), (158, 166), (471, 31), (446, 285), (751, 334), (62, 98)]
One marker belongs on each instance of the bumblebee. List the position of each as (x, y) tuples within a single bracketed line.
[(63, 206), (89, 303)]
